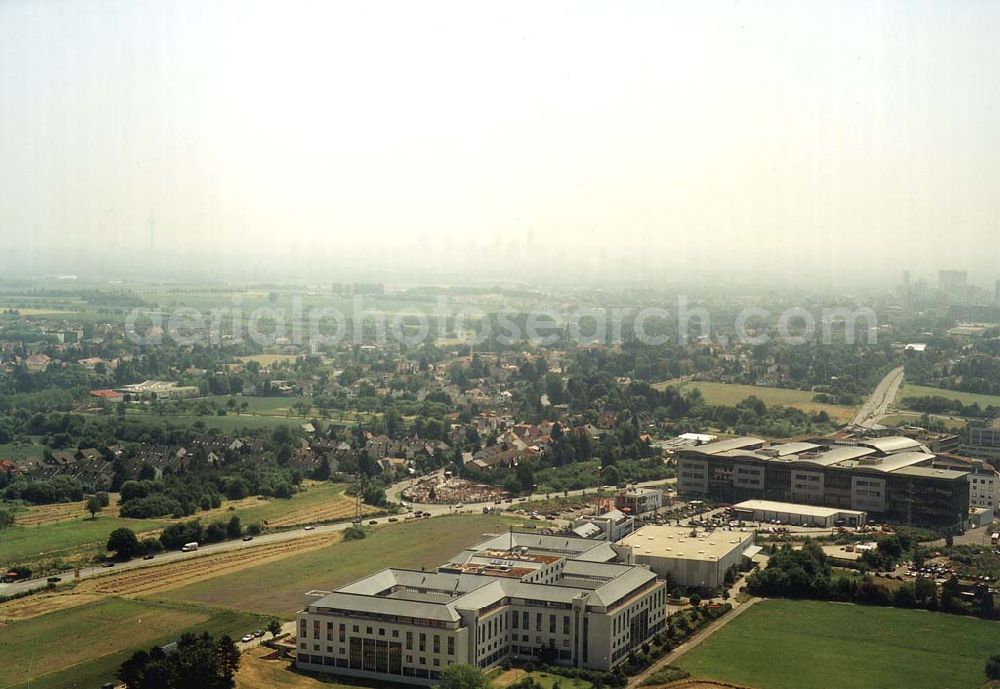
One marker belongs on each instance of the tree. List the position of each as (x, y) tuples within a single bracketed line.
[(233, 528), (462, 676), (93, 506), (993, 667), (229, 661), (274, 626), (354, 533), (123, 542)]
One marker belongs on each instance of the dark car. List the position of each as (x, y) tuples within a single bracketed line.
[(109, 564), (53, 580), (148, 556), (394, 519), (372, 522), (248, 538)]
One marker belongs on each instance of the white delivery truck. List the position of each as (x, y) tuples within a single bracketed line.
[(190, 547)]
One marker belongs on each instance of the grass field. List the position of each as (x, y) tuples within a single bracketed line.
[(813, 645), (22, 544), (82, 647), (913, 418), (729, 394), (75, 532), (966, 398), (278, 588)]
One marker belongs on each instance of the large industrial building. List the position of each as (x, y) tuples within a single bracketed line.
[(692, 558), (799, 515), (555, 599), (891, 478)]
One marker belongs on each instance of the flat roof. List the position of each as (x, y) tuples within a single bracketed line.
[(931, 472), (793, 508), (718, 446), (664, 540)]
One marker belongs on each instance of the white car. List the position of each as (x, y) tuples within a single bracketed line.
[(246, 638), (310, 527)]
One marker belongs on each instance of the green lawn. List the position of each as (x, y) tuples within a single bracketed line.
[(782, 644), (278, 588), (83, 646), (49, 541), (730, 394), (966, 398)]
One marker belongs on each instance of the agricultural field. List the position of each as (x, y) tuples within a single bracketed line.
[(65, 531), (103, 634), (317, 503), (65, 539), (966, 398), (267, 359), (730, 394), (277, 588), (811, 642)]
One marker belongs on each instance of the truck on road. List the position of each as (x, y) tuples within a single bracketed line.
[(190, 547)]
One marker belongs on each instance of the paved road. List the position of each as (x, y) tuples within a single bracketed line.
[(277, 537), (878, 403)]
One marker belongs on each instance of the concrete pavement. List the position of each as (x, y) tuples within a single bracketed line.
[(878, 403)]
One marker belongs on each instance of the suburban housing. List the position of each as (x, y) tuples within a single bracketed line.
[(559, 599)]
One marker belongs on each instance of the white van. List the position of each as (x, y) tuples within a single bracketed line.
[(190, 547)]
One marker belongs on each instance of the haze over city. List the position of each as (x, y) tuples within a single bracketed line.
[(839, 142)]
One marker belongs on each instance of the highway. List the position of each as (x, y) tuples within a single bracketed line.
[(878, 403), (207, 550)]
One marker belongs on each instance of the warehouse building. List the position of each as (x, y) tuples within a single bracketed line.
[(892, 478), (692, 558), (551, 599), (802, 515)]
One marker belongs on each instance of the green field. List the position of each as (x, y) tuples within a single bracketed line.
[(729, 394), (783, 644), (966, 398), (21, 544), (83, 646), (278, 588)]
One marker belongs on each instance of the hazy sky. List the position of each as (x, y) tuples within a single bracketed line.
[(828, 135)]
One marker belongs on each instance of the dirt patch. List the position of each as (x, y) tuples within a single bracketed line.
[(149, 580), (261, 669), (508, 677), (694, 683)]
